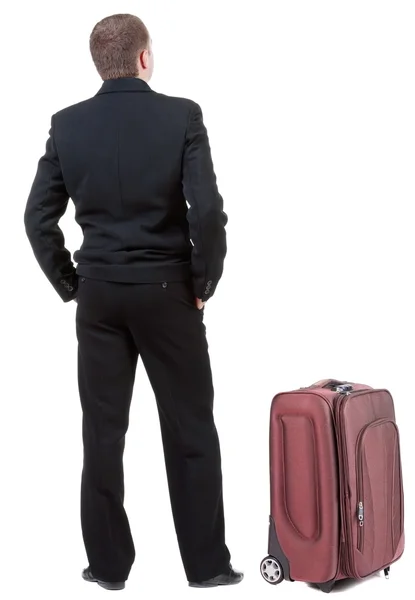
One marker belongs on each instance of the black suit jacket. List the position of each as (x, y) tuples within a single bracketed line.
[(132, 160)]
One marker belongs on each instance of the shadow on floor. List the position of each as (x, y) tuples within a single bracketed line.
[(346, 584)]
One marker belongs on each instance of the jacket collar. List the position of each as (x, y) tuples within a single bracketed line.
[(124, 84)]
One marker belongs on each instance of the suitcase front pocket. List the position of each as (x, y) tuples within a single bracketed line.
[(379, 491)]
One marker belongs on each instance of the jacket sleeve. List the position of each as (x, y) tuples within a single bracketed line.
[(205, 215), (47, 202)]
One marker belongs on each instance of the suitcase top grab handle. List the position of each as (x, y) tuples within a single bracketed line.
[(334, 384)]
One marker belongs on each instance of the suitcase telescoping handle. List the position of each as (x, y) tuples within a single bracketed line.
[(333, 384)]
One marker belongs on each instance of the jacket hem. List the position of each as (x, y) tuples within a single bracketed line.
[(135, 273)]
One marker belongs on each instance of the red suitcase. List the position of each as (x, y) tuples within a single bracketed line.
[(337, 508)]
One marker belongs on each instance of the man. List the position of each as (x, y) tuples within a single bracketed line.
[(133, 160)]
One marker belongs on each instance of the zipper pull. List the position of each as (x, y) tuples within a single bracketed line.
[(360, 513)]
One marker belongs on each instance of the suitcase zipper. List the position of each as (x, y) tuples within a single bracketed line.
[(343, 495), (360, 517)]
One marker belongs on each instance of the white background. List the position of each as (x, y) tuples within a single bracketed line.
[(310, 111)]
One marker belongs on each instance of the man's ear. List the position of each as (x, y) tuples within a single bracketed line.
[(144, 59)]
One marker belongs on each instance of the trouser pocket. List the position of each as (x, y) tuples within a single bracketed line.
[(182, 291)]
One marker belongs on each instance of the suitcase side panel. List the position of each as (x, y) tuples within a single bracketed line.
[(304, 485)]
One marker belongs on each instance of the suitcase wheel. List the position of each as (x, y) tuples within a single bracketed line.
[(326, 587), (271, 570)]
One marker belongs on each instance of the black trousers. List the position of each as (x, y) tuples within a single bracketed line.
[(115, 324)]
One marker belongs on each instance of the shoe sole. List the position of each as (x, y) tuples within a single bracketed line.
[(211, 585), (107, 585)]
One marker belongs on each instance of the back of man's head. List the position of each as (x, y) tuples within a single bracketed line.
[(120, 46)]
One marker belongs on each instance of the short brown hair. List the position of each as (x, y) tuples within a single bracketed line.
[(115, 44)]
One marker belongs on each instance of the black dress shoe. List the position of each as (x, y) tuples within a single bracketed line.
[(231, 577), (108, 585)]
